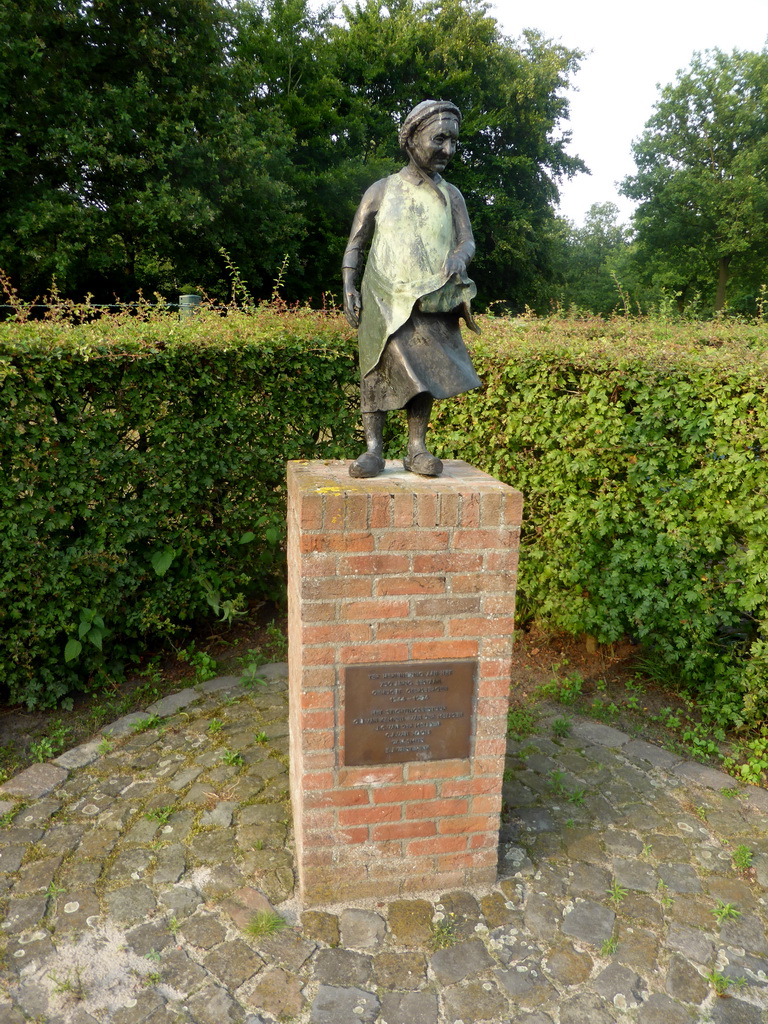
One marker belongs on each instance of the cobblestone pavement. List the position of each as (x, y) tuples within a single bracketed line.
[(632, 888)]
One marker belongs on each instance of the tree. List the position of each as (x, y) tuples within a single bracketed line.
[(591, 258), (512, 150), (702, 179), (130, 161)]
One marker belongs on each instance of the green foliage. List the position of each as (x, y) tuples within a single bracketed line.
[(443, 933), (725, 912), (233, 758), (150, 722), (52, 743), (144, 469), (160, 814), (561, 727), (640, 450), (265, 922), (564, 691), (742, 858), (700, 181), (143, 465), (248, 130), (521, 722)]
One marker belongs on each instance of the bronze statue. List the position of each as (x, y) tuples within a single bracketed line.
[(414, 289)]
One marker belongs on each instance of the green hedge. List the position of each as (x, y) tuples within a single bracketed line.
[(641, 449), (143, 470)]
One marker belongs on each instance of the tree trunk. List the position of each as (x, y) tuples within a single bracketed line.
[(722, 281)]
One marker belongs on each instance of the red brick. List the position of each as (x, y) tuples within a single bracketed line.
[(449, 509), (318, 611), (339, 586), (374, 653), (320, 718), (499, 604), (502, 561), (403, 830), (453, 768), (484, 747), (481, 627), (410, 585), (318, 677), (333, 515), (446, 606), (337, 633), (462, 823), (490, 766), (470, 787), (490, 510), (436, 809), (357, 512), (331, 542), (456, 860), (311, 511), (319, 856), (374, 610), (497, 646), (337, 798), (317, 760), (403, 510), (412, 540), (513, 508), (494, 688), (372, 565), (370, 776), (404, 793), (438, 650), (317, 819), (438, 844), (484, 841), (479, 582), (484, 540), (381, 511), (318, 740), (490, 804), (311, 699), (317, 781), (353, 835), (314, 565), (407, 629), (454, 561), (470, 510), (426, 510), (370, 815), (323, 654)]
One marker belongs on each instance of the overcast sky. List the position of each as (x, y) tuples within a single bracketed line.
[(630, 49)]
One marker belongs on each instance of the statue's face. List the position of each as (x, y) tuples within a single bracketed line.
[(433, 145)]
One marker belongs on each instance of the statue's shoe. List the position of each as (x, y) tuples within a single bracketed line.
[(424, 464), (368, 464)]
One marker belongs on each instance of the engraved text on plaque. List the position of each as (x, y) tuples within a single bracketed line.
[(408, 711)]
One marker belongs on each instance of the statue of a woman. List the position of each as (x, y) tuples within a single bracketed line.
[(414, 290)]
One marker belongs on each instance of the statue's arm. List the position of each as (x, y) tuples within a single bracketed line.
[(359, 237), (464, 241)]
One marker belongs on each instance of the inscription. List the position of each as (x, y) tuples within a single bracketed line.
[(417, 711)]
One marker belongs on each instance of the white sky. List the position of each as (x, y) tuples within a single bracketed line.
[(631, 48)]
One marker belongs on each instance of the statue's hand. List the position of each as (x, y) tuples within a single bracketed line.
[(352, 306), (455, 265)]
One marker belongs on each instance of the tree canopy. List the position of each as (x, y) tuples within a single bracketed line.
[(142, 137), (702, 181)]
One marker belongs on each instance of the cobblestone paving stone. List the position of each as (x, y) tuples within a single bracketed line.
[(132, 867)]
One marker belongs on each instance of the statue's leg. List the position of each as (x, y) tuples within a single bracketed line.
[(418, 459), (371, 462)]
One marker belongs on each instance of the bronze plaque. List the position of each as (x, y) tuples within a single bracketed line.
[(408, 711)]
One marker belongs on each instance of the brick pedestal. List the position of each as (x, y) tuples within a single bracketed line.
[(405, 570)]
